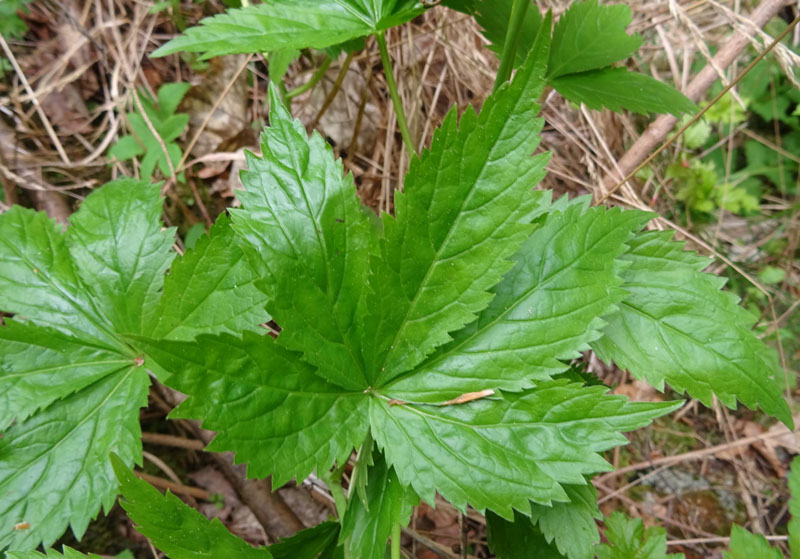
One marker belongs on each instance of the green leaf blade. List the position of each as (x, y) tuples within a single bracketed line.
[(589, 36), (270, 26), (366, 529), (794, 508), (464, 212), (54, 467), (627, 538), (38, 279), (318, 542), (120, 251), (42, 365), (571, 526), (210, 290), (618, 88), (307, 235), (67, 553), (745, 545), (176, 528), (676, 326), (545, 311), (266, 405), (518, 539), (469, 455)]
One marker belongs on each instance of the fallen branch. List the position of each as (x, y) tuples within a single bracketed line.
[(697, 88)]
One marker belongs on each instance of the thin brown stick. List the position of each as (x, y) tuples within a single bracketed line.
[(337, 85), (172, 440), (658, 130), (177, 488), (35, 100), (693, 455), (699, 115), (721, 539), (211, 112)]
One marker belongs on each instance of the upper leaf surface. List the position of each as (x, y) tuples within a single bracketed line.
[(38, 279), (308, 236), (627, 539), (366, 527), (210, 290), (176, 528), (518, 539), (618, 88), (462, 215), (68, 553), (42, 365), (676, 326), (590, 36), (571, 526), (545, 310), (503, 452), (75, 385), (745, 545), (265, 404), (319, 542), (54, 467), (290, 24), (120, 250)]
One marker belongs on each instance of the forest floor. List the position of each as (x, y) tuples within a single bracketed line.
[(729, 187)]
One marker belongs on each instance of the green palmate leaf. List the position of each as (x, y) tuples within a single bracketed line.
[(67, 553), (319, 542), (518, 539), (464, 212), (210, 290), (589, 36), (54, 467), (678, 327), (627, 539), (265, 404), (545, 310), (121, 252), (794, 508), (167, 124), (309, 238), (618, 88), (366, 526), (571, 526), (745, 545), (503, 452), (73, 387), (291, 24), (176, 528)]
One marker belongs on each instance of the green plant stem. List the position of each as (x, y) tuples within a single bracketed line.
[(300, 89), (518, 11), (334, 483), (397, 530), (398, 105)]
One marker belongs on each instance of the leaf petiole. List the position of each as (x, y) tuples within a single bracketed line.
[(395, 548), (395, 95), (518, 12), (300, 89)]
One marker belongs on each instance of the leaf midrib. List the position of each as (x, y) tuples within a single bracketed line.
[(86, 418)]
